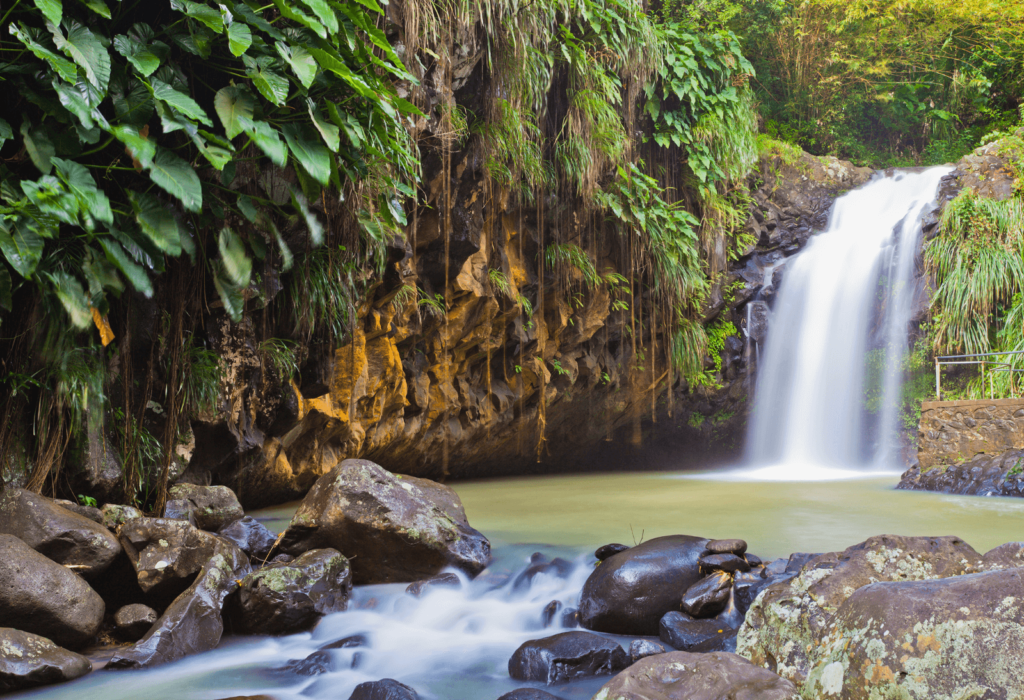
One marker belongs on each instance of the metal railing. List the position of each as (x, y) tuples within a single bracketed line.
[(994, 365)]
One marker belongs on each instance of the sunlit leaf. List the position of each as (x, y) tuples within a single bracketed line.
[(157, 222), (309, 150), (177, 178), (231, 103), (72, 297), (267, 138), (179, 101)]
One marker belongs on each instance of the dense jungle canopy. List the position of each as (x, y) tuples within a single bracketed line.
[(139, 142)]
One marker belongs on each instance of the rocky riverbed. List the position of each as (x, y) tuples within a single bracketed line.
[(672, 617)]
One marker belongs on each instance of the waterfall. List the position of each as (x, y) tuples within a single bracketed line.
[(850, 291)]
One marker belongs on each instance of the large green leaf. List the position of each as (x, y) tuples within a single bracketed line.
[(254, 20), (138, 147), (237, 265), (308, 149), (99, 7), (332, 62), (157, 222), (133, 103), (135, 273), (65, 68), (22, 247), (76, 102), (296, 15), (267, 138), (51, 198), (215, 149), (140, 55), (229, 294), (51, 9), (329, 132), (79, 181), (324, 13), (179, 101), (72, 296), (239, 38), (5, 132), (201, 13), (40, 148), (177, 178), (271, 84), (231, 103), (316, 229), (87, 50), (301, 62)]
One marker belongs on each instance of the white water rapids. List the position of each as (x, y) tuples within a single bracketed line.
[(849, 291)]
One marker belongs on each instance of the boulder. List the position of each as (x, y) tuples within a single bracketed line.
[(960, 637), (642, 648), (288, 598), (192, 622), (387, 689), (28, 661), (114, 515), (566, 656), (210, 507), (608, 550), (716, 676), (547, 615), (787, 621), (57, 533), (313, 665), (1005, 556), (631, 591), (685, 633), (167, 554), (529, 694), (709, 596), (90, 512), (737, 547), (746, 587), (440, 581), (570, 618), (251, 536), (392, 528), (133, 621), (557, 567), (40, 596), (723, 562)]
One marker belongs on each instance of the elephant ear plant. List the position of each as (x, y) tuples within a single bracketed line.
[(126, 127)]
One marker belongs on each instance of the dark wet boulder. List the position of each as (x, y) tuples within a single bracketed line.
[(608, 550), (313, 665), (642, 648), (959, 637), (29, 661), (133, 621), (210, 507), (40, 596), (709, 596), (631, 591), (57, 533), (737, 547), (251, 536), (784, 626), (90, 512), (747, 586), (433, 583), (387, 689), (1005, 556), (753, 560), (797, 560), (557, 567), (547, 615), (192, 623), (570, 618), (566, 656), (715, 676), (393, 528), (114, 515), (529, 694), (167, 554), (288, 598), (723, 562), (685, 633)]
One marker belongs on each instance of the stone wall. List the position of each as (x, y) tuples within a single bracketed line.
[(952, 432)]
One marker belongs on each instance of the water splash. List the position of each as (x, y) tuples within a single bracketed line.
[(849, 291)]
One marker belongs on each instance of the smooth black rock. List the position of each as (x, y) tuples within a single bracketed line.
[(723, 562), (40, 596), (608, 550), (28, 661), (539, 558), (753, 559), (556, 567), (642, 648), (547, 615), (566, 656), (313, 665), (737, 547), (631, 591), (440, 581), (133, 621), (387, 689), (528, 694), (797, 561), (747, 586), (86, 547), (210, 507), (251, 536), (709, 596), (570, 618), (289, 598), (682, 632), (355, 640)]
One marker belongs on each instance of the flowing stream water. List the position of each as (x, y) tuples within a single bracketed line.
[(455, 644)]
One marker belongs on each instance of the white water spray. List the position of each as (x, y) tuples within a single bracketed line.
[(852, 288)]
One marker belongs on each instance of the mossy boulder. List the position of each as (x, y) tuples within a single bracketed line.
[(57, 533), (287, 598), (786, 623), (953, 638), (28, 661), (393, 528), (207, 507)]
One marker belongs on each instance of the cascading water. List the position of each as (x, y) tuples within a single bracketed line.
[(850, 291)]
